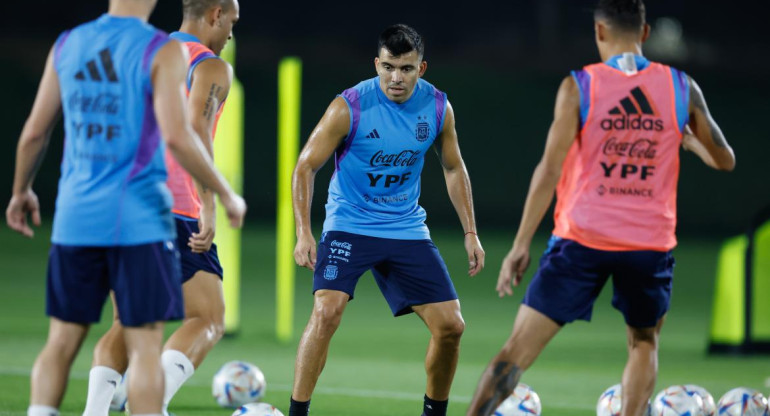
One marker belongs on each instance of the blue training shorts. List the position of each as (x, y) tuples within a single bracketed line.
[(194, 262), (145, 278), (571, 276), (408, 272)]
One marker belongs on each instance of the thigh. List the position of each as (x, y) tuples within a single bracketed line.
[(412, 274), (192, 263), (147, 283), (342, 259), (568, 281), (77, 283), (642, 283), (204, 296)]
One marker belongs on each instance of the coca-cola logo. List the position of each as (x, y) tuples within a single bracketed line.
[(402, 159), (641, 148)]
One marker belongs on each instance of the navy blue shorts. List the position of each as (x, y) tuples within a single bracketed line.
[(571, 276), (145, 278), (408, 272), (194, 262)]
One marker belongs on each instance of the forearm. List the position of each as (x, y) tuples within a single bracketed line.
[(539, 197), (459, 188), (302, 197), (29, 155), (204, 193)]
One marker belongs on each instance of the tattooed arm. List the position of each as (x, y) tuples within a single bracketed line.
[(708, 141), (210, 86)]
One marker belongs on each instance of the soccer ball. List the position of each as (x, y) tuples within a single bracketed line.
[(522, 402), (238, 383), (611, 400), (677, 401), (120, 397), (742, 401), (257, 409), (709, 407)]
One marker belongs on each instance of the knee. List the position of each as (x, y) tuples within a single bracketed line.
[(646, 338), (451, 331), (327, 316)]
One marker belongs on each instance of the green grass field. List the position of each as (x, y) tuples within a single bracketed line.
[(375, 365)]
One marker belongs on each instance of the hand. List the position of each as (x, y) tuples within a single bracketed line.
[(689, 140), (201, 241), (512, 270), (18, 208), (235, 207), (305, 251), (475, 254)]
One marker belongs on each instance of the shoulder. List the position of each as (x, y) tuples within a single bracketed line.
[(363, 89), (215, 66)]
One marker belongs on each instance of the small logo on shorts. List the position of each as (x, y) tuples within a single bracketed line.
[(330, 272)]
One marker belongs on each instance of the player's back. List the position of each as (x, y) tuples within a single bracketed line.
[(619, 182), (112, 189)]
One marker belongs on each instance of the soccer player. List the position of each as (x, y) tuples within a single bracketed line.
[(379, 132), (119, 82), (206, 27), (612, 156)]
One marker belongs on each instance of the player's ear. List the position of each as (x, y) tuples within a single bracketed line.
[(601, 31), (646, 32), (215, 16), (423, 68), (377, 64)]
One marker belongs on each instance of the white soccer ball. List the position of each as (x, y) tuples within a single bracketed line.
[(120, 397), (522, 402), (238, 383), (257, 409), (677, 401), (611, 400), (742, 401), (709, 407)]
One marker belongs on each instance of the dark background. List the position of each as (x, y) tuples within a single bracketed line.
[(500, 63)]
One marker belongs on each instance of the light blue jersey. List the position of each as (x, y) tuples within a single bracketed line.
[(112, 190), (376, 183)]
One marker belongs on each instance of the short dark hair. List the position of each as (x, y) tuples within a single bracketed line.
[(194, 9), (400, 39), (627, 15)]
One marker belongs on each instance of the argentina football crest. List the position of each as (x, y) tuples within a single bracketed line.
[(422, 131)]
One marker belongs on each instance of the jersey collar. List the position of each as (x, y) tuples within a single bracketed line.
[(641, 62), (184, 37)]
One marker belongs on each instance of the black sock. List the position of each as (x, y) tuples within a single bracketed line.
[(299, 408), (434, 407)]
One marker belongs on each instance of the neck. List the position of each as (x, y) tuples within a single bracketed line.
[(620, 48), (196, 29), (141, 9)]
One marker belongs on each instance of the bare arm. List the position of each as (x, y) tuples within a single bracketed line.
[(30, 151), (324, 139), (168, 74), (458, 184), (561, 135), (210, 86), (708, 141)]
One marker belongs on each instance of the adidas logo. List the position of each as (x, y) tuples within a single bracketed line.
[(632, 110), (113, 382), (93, 69), (373, 135), (181, 368)]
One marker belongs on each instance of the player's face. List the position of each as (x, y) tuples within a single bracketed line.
[(399, 74), (223, 30)]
